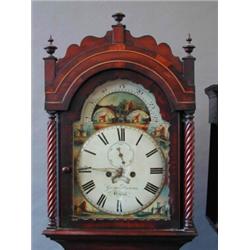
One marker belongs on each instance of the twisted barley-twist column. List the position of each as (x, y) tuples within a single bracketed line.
[(188, 169), (51, 171)]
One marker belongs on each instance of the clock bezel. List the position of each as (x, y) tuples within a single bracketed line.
[(66, 120)]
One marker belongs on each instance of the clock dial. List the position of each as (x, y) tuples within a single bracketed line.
[(120, 170)]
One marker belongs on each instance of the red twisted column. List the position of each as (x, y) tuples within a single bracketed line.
[(51, 170), (188, 169)]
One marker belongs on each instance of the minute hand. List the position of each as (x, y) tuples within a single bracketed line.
[(105, 169), (98, 169)]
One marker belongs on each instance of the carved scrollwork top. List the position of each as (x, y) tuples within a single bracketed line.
[(146, 44)]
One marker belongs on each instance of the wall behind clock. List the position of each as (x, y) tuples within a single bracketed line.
[(169, 22)]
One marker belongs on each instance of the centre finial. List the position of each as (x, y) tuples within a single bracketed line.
[(118, 17)]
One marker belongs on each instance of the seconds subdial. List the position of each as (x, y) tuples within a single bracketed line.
[(120, 154)]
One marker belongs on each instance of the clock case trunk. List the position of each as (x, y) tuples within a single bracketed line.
[(68, 82)]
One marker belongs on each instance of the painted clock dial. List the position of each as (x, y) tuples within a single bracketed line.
[(121, 170), (121, 174)]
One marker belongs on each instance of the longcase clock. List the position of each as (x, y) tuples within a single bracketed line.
[(120, 143)]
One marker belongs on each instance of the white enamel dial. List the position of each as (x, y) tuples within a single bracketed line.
[(120, 170)]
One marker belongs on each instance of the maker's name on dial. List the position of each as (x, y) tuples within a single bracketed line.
[(122, 190)]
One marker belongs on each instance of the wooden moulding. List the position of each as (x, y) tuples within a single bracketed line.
[(120, 240)]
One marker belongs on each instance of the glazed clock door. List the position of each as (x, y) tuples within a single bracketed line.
[(121, 146)]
